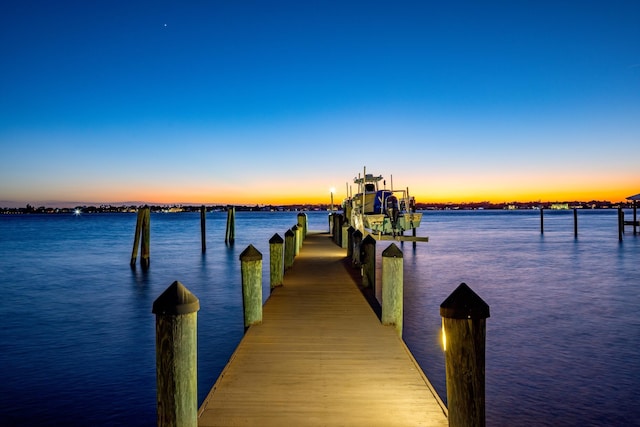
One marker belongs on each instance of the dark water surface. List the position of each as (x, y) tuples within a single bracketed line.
[(77, 338)]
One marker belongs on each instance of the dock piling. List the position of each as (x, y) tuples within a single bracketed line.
[(541, 220), (464, 316), (302, 223), (276, 261), (289, 250), (296, 240), (369, 262), (251, 269), (176, 311), (575, 223), (392, 287), (356, 239)]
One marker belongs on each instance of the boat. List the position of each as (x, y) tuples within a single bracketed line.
[(386, 214)]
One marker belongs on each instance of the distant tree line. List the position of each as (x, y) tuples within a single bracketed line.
[(84, 209)]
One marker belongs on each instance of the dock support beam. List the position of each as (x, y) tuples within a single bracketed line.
[(251, 269), (392, 287), (176, 313), (464, 316), (276, 261)]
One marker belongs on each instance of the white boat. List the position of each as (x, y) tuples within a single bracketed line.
[(381, 212)]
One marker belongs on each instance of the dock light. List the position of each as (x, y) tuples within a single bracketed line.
[(444, 338), (332, 190)]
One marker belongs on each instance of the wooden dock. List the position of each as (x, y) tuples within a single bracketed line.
[(321, 358)]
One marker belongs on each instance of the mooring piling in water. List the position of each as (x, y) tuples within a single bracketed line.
[(620, 223), (230, 234), (176, 311), (203, 226), (464, 316), (143, 233)]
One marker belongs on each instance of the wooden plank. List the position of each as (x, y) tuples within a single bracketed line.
[(321, 357)]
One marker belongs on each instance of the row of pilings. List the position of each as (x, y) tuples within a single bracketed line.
[(463, 315), (621, 222), (143, 233), (176, 325)]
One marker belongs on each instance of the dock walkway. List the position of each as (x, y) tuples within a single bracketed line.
[(321, 358)]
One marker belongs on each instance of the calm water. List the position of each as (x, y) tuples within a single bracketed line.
[(77, 337)]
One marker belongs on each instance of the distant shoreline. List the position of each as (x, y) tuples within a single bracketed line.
[(177, 208)]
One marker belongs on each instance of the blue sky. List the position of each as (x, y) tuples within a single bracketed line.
[(258, 102)]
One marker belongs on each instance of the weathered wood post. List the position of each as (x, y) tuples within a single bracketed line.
[(575, 223), (276, 261), (357, 242), (350, 232), (331, 229), (145, 260), (176, 311), (230, 235), (464, 316), (296, 240), (541, 220), (369, 262), (136, 237), (392, 287), (620, 223), (289, 250), (302, 223), (344, 235), (203, 232), (251, 269)]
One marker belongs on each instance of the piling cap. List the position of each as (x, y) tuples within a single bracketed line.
[(463, 303), (276, 239), (357, 233), (369, 239), (392, 251), (288, 233), (176, 299), (250, 254)]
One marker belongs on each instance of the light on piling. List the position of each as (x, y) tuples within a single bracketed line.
[(332, 190), (444, 338)]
